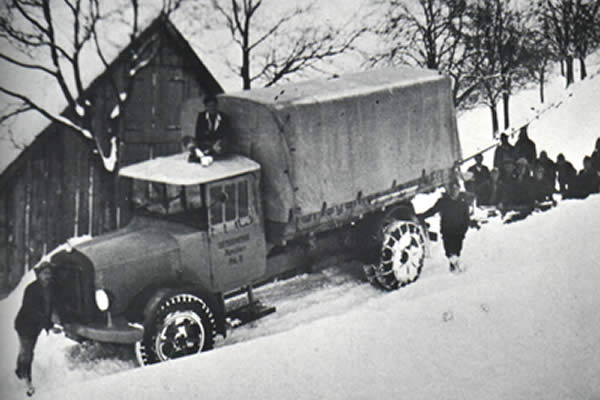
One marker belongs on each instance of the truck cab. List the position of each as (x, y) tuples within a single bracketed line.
[(159, 283), (220, 202)]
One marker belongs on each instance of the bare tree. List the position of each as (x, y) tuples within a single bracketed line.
[(51, 38), (429, 34), (572, 27), (496, 35), (586, 31), (274, 49)]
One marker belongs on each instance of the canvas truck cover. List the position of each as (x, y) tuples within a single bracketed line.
[(322, 142)]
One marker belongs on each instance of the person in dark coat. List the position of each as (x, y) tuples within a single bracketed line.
[(455, 220), (212, 129), (596, 156), (517, 193), (505, 158), (38, 311), (587, 181), (566, 173), (525, 147), (549, 168), (480, 175), (541, 188), (504, 153), (492, 190)]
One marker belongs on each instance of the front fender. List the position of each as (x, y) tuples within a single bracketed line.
[(154, 298)]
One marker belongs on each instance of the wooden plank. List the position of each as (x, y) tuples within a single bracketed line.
[(83, 179), (4, 267), (69, 184), (56, 207), (37, 205), (11, 216), (18, 212)]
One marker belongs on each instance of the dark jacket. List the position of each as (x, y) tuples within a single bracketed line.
[(566, 175), (596, 160), (518, 192), (586, 183), (35, 313), (526, 148), (454, 214), (481, 174), (208, 131), (550, 168), (504, 152), (541, 190)]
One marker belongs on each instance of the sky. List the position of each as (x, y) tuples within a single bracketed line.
[(520, 323)]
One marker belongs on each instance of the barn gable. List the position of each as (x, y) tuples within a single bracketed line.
[(58, 188)]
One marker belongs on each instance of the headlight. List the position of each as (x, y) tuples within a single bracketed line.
[(102, 300)]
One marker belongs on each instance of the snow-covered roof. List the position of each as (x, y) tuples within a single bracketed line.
[(347, 85), (176, 170)]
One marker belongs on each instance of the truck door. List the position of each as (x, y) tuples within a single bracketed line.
[(236, 235)]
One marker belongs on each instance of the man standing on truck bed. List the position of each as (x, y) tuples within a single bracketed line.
[(455, 219), (212, 128)]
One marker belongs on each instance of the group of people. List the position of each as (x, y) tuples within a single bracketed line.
[(520, 180)]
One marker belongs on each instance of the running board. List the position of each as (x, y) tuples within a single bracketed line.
[(247, 313)]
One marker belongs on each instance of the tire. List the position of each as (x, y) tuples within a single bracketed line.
[(182, 325), (394, 214), (402, 254)]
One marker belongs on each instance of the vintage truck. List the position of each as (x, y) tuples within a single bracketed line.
[(317, 167)]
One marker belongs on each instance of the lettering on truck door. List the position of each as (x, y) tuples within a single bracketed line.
[(237, 239)]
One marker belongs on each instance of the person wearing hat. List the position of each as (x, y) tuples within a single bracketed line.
[(38, 311), (212, 128), (455, 221)]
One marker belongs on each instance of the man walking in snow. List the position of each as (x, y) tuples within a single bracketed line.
[(38, 311), (455, 220)]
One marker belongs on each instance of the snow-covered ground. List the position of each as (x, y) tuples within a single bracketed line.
[(521, 323)]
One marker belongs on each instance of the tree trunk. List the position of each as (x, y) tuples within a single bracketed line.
[(246, 69), (583, 70), (495, 127), (570, 74), (505, 103), (542, 87), (562, 68)]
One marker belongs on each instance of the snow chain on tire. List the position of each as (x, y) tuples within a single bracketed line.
[(182, 325), (402, 255)]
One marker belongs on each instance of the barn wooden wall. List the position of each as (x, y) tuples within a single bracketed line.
[(58, 187)]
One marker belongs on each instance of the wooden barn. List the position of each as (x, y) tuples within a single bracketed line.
[(58, 188)]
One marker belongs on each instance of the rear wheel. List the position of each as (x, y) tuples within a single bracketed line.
[(182, 325), (402, 255)]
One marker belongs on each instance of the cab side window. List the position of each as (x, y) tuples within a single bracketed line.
[(229, 205)]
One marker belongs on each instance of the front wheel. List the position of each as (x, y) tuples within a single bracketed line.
[(182, 325), (402, 255)]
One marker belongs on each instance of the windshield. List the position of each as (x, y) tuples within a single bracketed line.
[(183, 204)]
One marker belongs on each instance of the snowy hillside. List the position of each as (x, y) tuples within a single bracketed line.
[(521, 323)]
